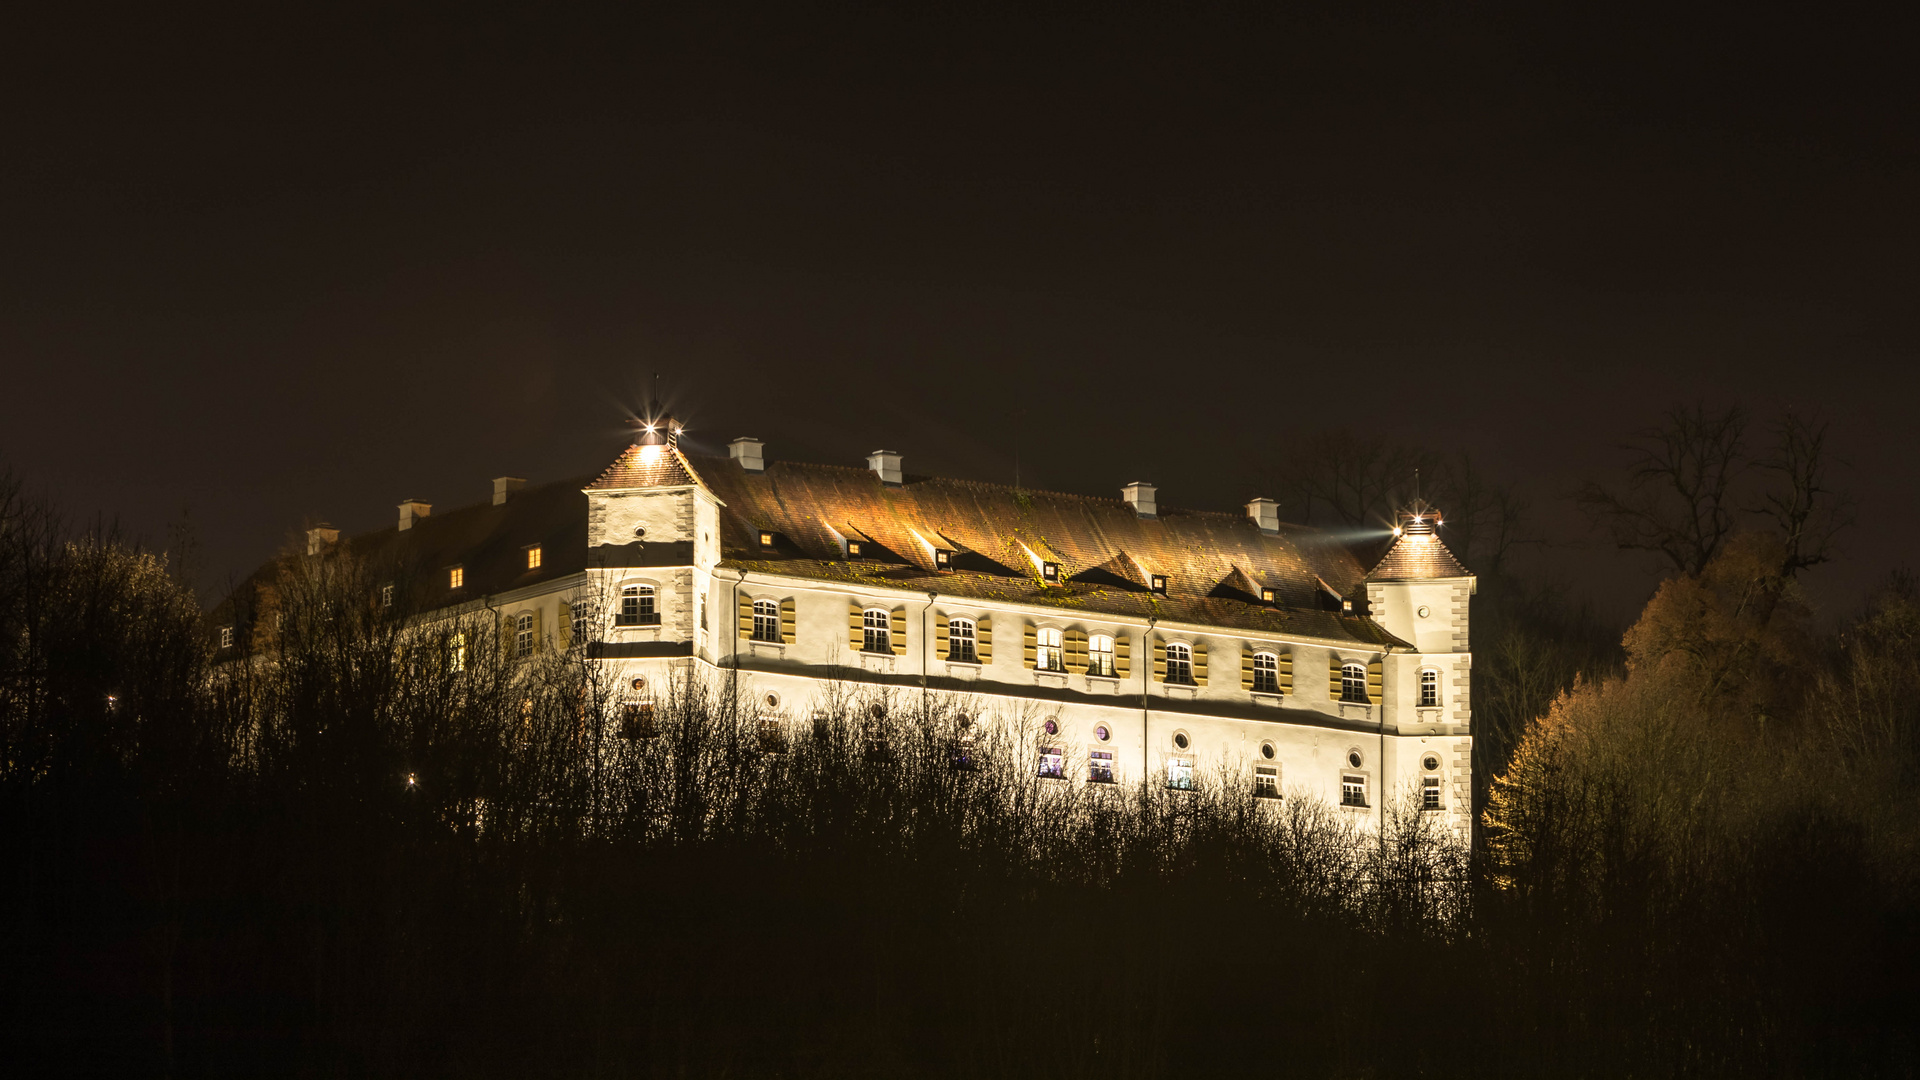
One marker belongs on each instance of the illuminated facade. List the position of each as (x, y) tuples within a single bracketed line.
[(1134, 640)]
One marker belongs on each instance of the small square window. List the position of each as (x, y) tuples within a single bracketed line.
[(942, 559), (533, 557), (1050, 571), (853, 549), (457, 578), (766, 539), (1159, 584), (1180, 773), (1266, 596), (1346, 605)]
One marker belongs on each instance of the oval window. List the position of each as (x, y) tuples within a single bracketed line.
[(1266, 750), (1102, 733), (1353, 759), (1180, 740)]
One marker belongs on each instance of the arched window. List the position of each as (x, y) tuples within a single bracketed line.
[(879, 638), (960, 641), (766, 620), (1100, 655), (1353, 683), (1429, 688), (1179, 664), (636, 606), (1266, 673), (523, 635), (1048, 656)]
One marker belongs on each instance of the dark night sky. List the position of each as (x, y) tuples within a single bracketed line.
[(307, 268)]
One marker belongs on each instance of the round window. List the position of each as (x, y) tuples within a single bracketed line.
[(1102, 733), (1353, 758), (1424, 611), (639, 684), (1432, 763), (1052, 726), (773, 700), (640, 530), (1180, 741), (1266, 750)]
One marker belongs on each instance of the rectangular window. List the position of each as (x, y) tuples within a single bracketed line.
[(636, 720), (1179, 664), (1100, 655), (1266, 673), (457, 578), (1048, 656), (1266, 596), (960, 641), (386, 596), (1353, 790), (1180, 773), (533, 557), (1053, 763), (1049, 571), (1266, 782), (1353, 684), (766, 620), (457, 653), (584, 617), (1430, 793), (942, 559), (226, 637), (1159, 585), (636, 606), (523, 636), (773, 736), (1429, 688), (766, 539), (878, 638), (1100, 767), (853, 549)]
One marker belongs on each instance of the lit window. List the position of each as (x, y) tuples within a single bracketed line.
[(1100, 655), (1179, 664), (942, 559), (1047, 656), (1050, 571), (386, 596), (766, 620), (1052, 763), (1266, 673), (1100, 767), (226, 637), (457, 578), (1353, 684), (1159, 585), (853, 549), (1266, 782), (1430, 793), (879, 635), (1180, 773), (533, 557), (766, 539), (523, 635), (1353, 790), (457, 653), (960, 640), (636, 606), (1429, 688), (1266, 596)]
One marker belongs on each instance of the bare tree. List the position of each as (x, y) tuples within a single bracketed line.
[(1680, 499), (1800, 499)]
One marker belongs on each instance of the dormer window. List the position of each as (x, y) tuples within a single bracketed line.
[(1159, 584), (457, 577), (853, 549), (1346, 606), (1266, 596), (942, 559), (533, 557), (1050, 571)]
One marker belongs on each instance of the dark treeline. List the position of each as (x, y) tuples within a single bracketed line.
[(385, 847)]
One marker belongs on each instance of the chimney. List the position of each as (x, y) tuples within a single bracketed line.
[(1265, 513), (1139, 495), (412, 510), (886, 465), (320, 537), (746, 451), (504, 486)]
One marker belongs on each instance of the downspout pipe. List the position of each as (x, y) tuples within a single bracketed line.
[(926, 695), (1146, 677)]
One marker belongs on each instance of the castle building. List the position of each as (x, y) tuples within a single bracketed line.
[(1146, 642)]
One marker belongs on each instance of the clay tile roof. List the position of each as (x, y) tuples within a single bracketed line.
[(1412, 558), (1105, 550), (646, 467)]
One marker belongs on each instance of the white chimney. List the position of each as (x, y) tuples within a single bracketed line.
[(1139, 495), (886, 465), (504, 486), (320, 537), (412, 510), (1265, 513), (746, 451)]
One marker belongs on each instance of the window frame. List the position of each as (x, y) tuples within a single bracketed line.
[(1049, 649), (1353, 688), (226, 637), (1351, 782), (1185, 662), (1051, 763), (456, 577), (1100, 767), (523, 632), (533, 556), (645, 608), (1266, 781), (766, 622), (962, 629), (1180, 772), (877, 627), (1430, 794), (1100, 661), (1266, 676), (1429, 688)]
